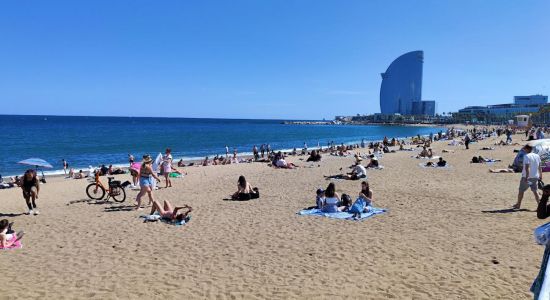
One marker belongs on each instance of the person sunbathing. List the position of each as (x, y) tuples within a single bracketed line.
[(245, 190), (170, 213), (501, 171)]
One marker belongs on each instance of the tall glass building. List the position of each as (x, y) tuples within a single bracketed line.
[(402, 84)]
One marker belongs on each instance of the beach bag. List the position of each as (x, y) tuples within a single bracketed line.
[(358, 206)]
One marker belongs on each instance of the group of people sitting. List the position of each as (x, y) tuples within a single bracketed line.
[(328, 200), (425, 153), (440, 163)]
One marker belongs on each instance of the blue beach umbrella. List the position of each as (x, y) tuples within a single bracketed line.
[(37, 162)]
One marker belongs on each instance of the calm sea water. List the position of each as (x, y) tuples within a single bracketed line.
[(85, 141)]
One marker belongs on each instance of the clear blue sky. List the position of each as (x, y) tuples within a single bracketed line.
[(263, 59)]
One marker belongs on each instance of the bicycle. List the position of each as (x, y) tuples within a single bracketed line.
[(96, 190)]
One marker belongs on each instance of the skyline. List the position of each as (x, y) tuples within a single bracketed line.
[(266, 60)]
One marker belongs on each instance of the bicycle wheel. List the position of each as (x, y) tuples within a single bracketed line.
[(118, 194), (95, 191)]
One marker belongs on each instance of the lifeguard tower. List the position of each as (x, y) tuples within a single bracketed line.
[(522, 120)]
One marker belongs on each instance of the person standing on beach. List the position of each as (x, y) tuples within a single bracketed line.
[(65, 166), (530, 175), (467, 141), (255, 152), (262, 150), (268, 149), (130, 159), (30, 186), (167, 166), (146, 175)]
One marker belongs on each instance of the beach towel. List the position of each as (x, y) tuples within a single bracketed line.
[(376, 168), (16, 245), (342, 215), (156, 217), (423, 165)]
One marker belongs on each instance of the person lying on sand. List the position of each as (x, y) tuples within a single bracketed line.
[(501, 171), (480, 160), (170, 213), (447, 151), (245, 190)]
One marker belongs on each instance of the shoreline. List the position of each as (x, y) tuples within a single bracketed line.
[(251, 249)]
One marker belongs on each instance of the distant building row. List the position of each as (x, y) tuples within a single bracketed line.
[(522, 105)]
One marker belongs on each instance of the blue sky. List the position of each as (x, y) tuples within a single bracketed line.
[(263, 59)]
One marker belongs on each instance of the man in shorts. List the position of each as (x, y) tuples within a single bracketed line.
[(530, 175)]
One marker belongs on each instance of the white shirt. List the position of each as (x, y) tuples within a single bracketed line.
[(533, 160), (360, 170)]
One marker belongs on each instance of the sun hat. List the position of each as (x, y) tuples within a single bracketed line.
[(147, 158)]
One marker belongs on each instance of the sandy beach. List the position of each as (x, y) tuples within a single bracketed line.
[(446, 235)]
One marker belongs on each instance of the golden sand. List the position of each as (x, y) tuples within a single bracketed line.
[(442, 238)]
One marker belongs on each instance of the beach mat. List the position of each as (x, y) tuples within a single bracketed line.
[(423, 165), (342, 215)]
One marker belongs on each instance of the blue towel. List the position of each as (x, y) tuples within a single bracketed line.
[(342, 215)]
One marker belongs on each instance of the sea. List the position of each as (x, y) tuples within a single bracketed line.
[(92, 141)]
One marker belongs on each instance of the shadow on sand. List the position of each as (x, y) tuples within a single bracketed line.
[(505, 211)]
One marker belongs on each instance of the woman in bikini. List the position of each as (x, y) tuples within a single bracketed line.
[(170, 213)]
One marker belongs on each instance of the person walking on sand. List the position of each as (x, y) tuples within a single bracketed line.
[(167, 166), (467, 141), (146, 175), (30, 186), (530, 175), (65, 166)]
